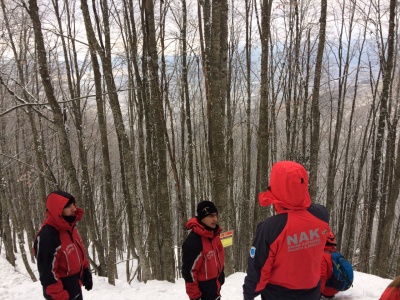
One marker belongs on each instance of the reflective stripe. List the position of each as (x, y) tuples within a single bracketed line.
[(80, 294), (205, 266), (66, 258), (53, 262), (37, 246), (194, 264)]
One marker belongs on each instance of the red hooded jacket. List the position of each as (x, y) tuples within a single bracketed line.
[(391, 293), (202, 261), (285, 258), (59, 251)]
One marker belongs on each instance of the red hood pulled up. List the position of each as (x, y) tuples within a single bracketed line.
[(288, 187), (55, 204)]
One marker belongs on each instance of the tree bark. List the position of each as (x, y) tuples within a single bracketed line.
[(263, 142), (375, 172), (162, 203), (315, 140), (65, 148)]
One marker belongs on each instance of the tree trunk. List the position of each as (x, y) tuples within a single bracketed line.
[(374, 187), (314, 147), (164, 238), (126, 158), (263, 123), (65, 148)]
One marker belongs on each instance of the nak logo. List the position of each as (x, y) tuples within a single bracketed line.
[(210, 254), (303, 236), (69, 248)]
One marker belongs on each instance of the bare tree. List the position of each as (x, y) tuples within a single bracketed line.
[(164, 259), (263, 143), (315, 138), (379, 141)]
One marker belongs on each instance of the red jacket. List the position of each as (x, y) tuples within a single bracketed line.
[(326, 272), (59, 251), (285, 257), (202, 261), (391, 293)]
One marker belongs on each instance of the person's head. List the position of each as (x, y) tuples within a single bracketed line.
[(207, 213), (60, 203), (288, 187), (69, 208)]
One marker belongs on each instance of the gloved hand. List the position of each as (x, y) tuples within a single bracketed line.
[(87, 280)]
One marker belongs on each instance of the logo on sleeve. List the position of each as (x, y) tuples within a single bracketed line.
[(252, 252)]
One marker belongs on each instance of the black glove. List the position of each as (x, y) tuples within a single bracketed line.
[(87, 279)]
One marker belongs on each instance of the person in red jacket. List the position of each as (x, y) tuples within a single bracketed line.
[(327, 268), (285, 257), (203, 255), (392, 292), (61, 258)]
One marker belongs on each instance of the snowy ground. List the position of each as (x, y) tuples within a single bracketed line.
[(15, 284)]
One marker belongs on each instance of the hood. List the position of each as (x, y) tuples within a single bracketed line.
[(288, 188), (55, 204), (199, 228)]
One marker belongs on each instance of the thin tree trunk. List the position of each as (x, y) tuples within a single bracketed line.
[(245, 228), (125, 150), (377, 156), (19, 228), (315, 140), (164, 237), (188, 116), (65, 148), (6, 234), (263, 124), (338, 117), (388, 205), (35, 136)]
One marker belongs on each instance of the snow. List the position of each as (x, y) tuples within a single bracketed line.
[(15, 284)]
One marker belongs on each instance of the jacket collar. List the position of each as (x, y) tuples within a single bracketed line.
[(200, 229)]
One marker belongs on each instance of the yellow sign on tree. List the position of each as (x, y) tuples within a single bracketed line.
[(227, 238)]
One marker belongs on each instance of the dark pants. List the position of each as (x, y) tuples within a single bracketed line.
[(209, 289), (272, 292), (71, 285), (209, 297)]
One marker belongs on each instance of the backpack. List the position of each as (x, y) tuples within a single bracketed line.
[(342, 275)]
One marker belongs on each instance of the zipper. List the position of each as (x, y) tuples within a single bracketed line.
[(217, 263), (205, 265), (76, 251)]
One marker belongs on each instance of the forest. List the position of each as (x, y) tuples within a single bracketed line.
[(143, 108)]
